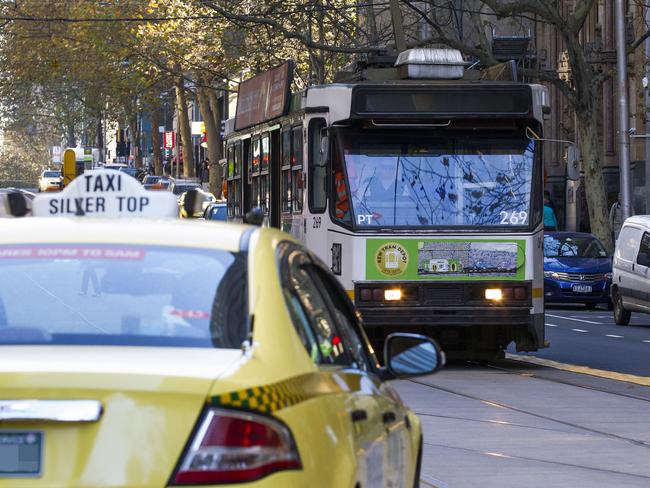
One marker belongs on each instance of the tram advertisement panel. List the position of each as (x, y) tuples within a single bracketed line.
[(445, 259)]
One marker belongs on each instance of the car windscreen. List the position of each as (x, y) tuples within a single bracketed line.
[(180, 189), (51, 174), (455, 182), (66, 294), (573, 247)]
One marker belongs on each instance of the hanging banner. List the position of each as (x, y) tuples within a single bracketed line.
[(169, 141)]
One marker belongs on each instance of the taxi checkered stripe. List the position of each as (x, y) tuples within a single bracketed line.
[(273, 397)]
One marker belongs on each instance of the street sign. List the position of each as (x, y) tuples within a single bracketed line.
[(69, 166), (56, 154), (198, 128), (106, 193)]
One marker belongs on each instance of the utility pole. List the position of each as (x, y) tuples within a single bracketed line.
[(398, 26), (623, 112)]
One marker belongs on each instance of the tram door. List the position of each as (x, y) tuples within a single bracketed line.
[(276, 163)]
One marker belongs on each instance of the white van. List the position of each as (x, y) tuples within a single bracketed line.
[(631, 280)]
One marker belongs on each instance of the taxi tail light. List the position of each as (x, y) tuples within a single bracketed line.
[(233, 447)]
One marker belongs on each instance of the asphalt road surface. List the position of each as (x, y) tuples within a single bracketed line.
[(590, 338)]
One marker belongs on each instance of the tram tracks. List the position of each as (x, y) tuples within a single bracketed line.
[(529, 374), (512, 408), (573, 426)]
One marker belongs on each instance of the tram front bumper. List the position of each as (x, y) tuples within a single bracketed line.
[(454, 312)]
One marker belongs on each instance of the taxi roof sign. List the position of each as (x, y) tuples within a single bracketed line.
[(106, 193)]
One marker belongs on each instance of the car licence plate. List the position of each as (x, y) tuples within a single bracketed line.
[(21, 454), (582, 288)]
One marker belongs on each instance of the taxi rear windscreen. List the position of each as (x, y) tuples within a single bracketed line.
[(121, 295)]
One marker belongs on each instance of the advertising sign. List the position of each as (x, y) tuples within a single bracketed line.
[(169, 140), (106, 193), (445, 259), (264, 97)]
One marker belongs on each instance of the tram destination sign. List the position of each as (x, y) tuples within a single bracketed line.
[(443, 100), (264, 97)]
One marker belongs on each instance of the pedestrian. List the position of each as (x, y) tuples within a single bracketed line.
[(205, 172), (550, 221), (616, 218)]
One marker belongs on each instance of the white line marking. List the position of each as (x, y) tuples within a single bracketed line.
[(614, 336), (579, 330), (577, 320), (645, 341), (550, 325)]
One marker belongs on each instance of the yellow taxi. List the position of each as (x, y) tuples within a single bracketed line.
[(153, 352)]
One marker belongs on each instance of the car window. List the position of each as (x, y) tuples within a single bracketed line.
[(345, 320), (645, 246), (304, 299), (51, 174), (628, 243), (129, 295), (562, 246)]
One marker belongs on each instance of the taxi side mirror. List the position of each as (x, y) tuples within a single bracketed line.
[(409, 355)]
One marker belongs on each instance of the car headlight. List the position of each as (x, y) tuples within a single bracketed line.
[(608, 276), (551, 274)]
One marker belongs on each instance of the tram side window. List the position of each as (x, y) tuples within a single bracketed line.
[(340, 190), (317, 169), (285, 180), (265, 177), (254, 173), (296, 169)]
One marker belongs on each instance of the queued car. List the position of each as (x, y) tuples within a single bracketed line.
[(216, 211), (577, 269), (173, 353), (157, 182), (193, 203), (50, 180), (178, 186)]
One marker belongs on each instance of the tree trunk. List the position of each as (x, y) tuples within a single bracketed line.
[(185, 129), (71, 140), (100, 135), (213, 139), (135, 140), (154, 115), (216, 178), (587, 123)]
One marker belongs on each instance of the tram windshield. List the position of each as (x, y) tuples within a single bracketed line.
[(456, 182)]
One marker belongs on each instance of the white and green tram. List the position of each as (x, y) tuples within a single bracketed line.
[(423, 196)]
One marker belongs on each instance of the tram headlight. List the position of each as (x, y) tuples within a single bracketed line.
[(393, 294), (494, 294)]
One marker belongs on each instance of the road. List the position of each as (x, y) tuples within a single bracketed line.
[(513, 424), (590, 338)]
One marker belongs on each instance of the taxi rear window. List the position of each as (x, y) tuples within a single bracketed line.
[(122, 295)]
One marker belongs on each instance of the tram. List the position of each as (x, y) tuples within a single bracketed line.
[(420, 188)]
